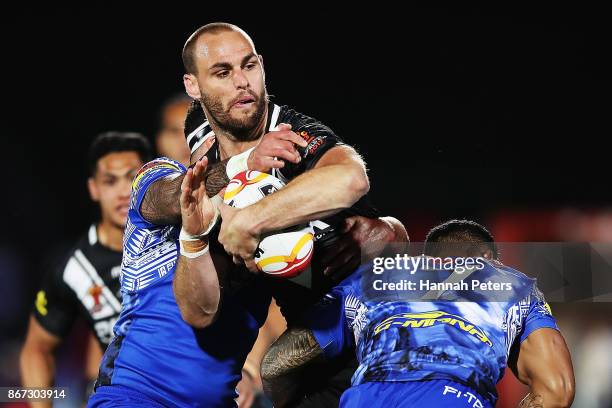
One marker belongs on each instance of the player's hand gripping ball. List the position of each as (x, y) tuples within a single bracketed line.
[(284, 253)]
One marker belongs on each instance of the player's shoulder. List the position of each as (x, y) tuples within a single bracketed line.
[(301, 123), (286, 112), (80, 247), (149, 173), (522, 285), (158, 164), (501, 269)]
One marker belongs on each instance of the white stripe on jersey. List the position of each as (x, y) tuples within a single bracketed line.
[(202, 140), (274, 117), (93, 274), (92, 235), (196, 131), (80, 282)]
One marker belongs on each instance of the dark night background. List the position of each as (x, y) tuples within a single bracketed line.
[(458, 111)]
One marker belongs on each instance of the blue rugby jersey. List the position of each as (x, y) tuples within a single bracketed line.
[(397, 340), (154, 352)]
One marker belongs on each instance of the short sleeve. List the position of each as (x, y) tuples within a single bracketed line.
[(329, 323), (538, 316), (55, 306), (319, 137), (147, 175)]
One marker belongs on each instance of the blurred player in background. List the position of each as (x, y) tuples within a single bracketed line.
[(425, 353), (86, 283), (170, 138)]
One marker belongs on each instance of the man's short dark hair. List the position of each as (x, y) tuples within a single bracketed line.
[(112, 142), (189, 48), (458, 232)]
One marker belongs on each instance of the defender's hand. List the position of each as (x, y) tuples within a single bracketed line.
[(197, 210), (275, 147)]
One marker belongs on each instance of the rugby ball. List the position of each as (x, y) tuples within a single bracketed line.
[(283, 254)]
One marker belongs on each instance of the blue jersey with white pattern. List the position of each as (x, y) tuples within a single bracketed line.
[(463, 341), (154, 351)]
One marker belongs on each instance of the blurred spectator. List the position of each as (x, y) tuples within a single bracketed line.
[(170, 139)]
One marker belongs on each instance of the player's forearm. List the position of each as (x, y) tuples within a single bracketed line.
[(197, 290), (554, 391), (216, 178), (545, 365), (318, 193), (161, 205), (37, 370), (285, 363), (541, 397)]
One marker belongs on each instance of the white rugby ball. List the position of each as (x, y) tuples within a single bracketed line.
[(286, 253)]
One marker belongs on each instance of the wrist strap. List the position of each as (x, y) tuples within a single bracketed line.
[(238, 163), (192, 247)]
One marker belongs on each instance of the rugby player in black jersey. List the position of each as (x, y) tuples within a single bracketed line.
[(86, 283), (326, 179)]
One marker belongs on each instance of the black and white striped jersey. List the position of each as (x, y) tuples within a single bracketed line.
[(86, 285)]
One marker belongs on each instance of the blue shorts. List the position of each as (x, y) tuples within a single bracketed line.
[(121, 397), (412, 394)]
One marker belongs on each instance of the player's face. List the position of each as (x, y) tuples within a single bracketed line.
[(170, 141), (231, 82), (111, 185)]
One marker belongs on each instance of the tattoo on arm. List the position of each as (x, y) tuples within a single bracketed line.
[(160, 204), (216, 178), (532, 401), (285, 361), (291, 351)]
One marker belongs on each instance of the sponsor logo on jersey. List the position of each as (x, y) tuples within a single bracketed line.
[(95, 291), (314, 145), (313, 142), (429, 319), (41, 302), (472, 399), (304, 135)]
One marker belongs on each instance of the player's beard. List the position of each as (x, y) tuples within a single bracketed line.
[(243, 129)]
